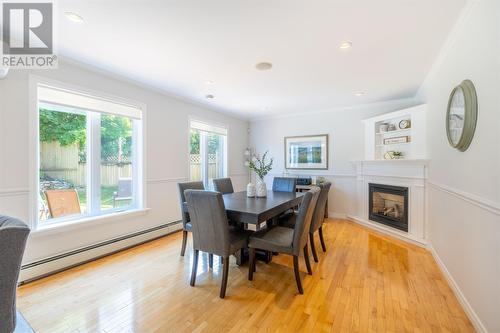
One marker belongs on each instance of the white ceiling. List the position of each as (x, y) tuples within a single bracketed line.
[(177, 46)]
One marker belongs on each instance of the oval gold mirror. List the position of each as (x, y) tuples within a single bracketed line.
[(461, 116)]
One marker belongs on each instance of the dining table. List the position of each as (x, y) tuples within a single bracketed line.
[(257, 210)]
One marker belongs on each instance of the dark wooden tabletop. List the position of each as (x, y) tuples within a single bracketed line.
[(240, 208)]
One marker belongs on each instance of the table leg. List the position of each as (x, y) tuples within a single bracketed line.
[(241, 256)]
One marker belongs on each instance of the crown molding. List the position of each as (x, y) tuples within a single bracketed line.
[(410, 102)]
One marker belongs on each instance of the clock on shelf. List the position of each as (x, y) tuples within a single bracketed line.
[(404, 124)]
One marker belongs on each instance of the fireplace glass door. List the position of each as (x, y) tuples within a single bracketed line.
[(389, 205)]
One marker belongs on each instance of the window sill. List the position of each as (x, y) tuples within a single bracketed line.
[(87, 221)]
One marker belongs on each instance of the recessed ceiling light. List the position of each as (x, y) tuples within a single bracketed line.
[(74, 17), (345, 45), (264, 66), (209, 96), (208, 82), (359, 93)]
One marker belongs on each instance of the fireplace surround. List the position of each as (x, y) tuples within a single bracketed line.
[(388, 205), (405, 173)]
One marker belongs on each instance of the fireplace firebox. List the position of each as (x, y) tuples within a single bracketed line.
[(389, 205)]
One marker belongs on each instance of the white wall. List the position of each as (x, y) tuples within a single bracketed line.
[(166, 156), (346, 144), (464, 187)]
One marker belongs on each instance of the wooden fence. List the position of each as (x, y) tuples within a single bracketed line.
[(109, 174), (195, 166), (55, 157), (62, 162)]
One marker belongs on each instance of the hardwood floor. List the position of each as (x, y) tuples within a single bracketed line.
[(365, 282)]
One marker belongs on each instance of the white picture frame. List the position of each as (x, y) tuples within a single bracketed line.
[(308, 152)]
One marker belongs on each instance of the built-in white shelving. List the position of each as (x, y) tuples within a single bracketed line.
[(394, 144), (382, 133), (394, 131)]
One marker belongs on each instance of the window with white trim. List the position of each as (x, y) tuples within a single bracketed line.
[(207, 152), (89, 155)]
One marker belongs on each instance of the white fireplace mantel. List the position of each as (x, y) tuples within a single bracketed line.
[(405, 173)]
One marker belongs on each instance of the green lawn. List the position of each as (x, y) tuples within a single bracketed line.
[(106, 198)]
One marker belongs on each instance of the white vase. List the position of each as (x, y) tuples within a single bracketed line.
[(251, 190), (261, 189)]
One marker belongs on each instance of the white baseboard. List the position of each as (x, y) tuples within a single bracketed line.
[(45, 267), (389, 231), (336, 215), (473, 317)]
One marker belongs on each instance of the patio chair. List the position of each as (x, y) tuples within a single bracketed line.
[(124, 190), (63, 202), (43, 212)]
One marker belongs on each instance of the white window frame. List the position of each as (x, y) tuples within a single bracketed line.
[(93, 143), (203, 151)]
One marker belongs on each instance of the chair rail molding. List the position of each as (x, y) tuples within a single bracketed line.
[(473, 199), (238, 174), (167, 180), (14, 192), (313, 173)]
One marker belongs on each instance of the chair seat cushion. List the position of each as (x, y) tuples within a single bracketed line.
[(188, 226), (288, 220), (277, 239)]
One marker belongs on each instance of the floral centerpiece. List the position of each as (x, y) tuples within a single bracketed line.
[(261, 167)]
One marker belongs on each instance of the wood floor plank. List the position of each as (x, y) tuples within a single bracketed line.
[(365, 282)]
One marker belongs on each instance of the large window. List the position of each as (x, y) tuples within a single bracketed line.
[(89, 156), (207, 148)]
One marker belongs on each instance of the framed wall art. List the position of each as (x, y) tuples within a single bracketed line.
[(398, 139), (306, 152)]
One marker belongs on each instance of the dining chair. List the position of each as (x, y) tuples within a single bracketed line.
[(223, 185), (13, 236), (284, 184), (317, 219), (286, 240), (211, 232), (186, 222)]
